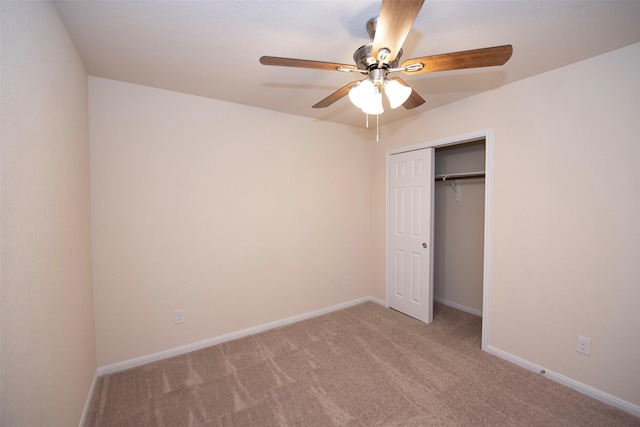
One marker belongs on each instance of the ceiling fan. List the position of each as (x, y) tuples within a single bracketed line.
[(381, 57)]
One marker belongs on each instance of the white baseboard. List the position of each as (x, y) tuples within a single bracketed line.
[(177, 351), (87, 403), (566, 381), (458, 306)]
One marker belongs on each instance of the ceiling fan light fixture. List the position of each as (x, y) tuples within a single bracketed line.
[(396, 92)]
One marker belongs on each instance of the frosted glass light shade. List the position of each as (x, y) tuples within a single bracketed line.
[(374, 104), (396, 92), (367, 97), (359, 94)]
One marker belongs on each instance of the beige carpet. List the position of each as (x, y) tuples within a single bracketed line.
[(363, 366)]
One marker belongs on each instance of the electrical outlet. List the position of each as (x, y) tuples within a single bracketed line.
[(178, 316), (583, 345), (345, 281)]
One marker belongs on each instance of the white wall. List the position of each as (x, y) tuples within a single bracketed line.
[(239, 216), (48, 346), (565, 228)]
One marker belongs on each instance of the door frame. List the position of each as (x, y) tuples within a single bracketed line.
[(487, 135)]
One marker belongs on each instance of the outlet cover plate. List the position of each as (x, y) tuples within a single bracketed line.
[(583, 345), (178, 316)]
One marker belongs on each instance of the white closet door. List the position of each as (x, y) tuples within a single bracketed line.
[(409, 260)]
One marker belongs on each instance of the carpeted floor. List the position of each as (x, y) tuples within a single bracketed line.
[(363, 366)]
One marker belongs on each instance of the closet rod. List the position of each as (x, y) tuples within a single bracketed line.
[(467, 175)]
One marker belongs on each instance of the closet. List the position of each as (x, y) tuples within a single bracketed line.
[(459, 226)]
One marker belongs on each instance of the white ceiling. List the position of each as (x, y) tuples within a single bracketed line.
[(211, 48)]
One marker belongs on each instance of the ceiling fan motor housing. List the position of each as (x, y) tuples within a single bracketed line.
[(364, 61), (372, 24), (362, 56)]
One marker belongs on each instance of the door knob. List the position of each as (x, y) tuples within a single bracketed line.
[(424, 245)]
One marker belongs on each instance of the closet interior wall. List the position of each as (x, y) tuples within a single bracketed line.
[(459, 227)]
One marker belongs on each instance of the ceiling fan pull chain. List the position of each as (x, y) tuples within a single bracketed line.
[(366, 120), (377, 127)]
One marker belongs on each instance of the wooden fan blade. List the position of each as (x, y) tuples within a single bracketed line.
[(487, 57), (394, 23), (304, 63), (414, 99), (340, 93)]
